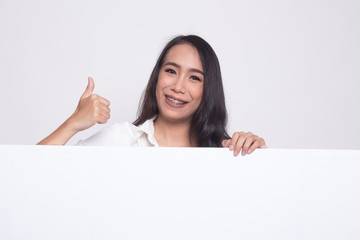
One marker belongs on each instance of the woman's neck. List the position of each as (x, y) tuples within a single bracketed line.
[(172, 134)]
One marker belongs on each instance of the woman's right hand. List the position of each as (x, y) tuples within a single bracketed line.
[(91, 109)]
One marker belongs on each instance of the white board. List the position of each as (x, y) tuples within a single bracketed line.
[(49, 192)]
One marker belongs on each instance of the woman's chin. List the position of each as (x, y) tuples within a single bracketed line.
[(174, 118)]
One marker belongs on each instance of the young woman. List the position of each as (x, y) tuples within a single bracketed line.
[(183, 106)]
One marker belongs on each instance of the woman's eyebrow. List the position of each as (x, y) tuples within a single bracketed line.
[(178, 66)]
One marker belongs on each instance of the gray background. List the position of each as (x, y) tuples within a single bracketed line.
[(291, 69)]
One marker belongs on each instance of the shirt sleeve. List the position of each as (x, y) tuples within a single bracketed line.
[(119, 134)]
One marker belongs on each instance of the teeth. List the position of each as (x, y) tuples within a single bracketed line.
[(174, 101)]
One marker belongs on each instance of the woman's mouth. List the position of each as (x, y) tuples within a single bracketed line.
[(174, 102)]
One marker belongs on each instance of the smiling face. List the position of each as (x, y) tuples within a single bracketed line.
[(180, 84)]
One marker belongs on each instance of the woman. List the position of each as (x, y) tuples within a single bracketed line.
[(183, 106)]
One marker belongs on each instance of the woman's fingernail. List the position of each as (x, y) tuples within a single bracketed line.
[(231, 147), (236, 153), (250, 151)]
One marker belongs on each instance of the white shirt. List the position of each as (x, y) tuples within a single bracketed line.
[(124, 134)]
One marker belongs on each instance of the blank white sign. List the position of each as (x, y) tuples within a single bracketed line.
[(49, 192)]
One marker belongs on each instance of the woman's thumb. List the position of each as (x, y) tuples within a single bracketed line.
[(89, 89)]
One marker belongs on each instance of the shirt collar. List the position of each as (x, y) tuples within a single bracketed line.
[(148, 128)]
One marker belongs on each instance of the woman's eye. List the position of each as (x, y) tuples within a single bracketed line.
[(195, 78), (169, 70)]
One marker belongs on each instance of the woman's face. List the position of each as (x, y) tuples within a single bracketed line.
[(180, 84)]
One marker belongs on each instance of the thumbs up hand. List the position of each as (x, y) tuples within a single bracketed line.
[(91, 109)]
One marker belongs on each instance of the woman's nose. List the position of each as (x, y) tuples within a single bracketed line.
[(179, 85)]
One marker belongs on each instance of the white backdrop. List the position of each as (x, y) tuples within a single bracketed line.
[(291, 69)]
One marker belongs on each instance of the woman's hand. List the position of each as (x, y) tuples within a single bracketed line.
[(244, 142), (91, 109)]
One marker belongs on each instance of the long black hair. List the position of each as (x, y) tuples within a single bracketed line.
[(209, 121)]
